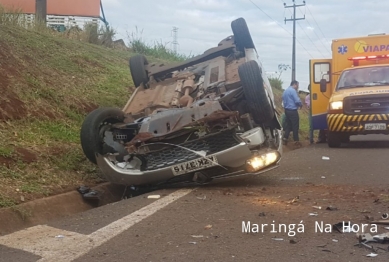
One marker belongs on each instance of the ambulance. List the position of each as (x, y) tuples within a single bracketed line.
[(350, 91)]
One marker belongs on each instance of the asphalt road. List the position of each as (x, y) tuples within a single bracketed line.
[(205, 223)]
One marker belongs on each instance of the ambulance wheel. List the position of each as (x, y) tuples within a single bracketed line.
[(334, 139), (345, 138)]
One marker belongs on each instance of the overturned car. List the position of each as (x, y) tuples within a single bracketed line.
[(212, 116)]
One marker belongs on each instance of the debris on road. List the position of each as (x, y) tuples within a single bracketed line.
[(262, 214), (208, 227), (325, 158), (278, 239), (292, 241), (313, 214), (385, 216), (331, 208), (343, 227), (316, 207), (323, 177), (199, 236), (83, 189), (92, 194), (382, 238), (335, 240), (372, 255), (154, 196), (60, 236), (294, 200), (366, 238), (194, 243), (386, 227), (202, 198), (89, 194)]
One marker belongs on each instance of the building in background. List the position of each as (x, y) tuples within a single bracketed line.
[(60, 14)]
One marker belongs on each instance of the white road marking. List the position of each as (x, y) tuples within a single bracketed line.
[(42, 241)]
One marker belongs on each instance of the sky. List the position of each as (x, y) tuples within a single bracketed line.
[(203, 23)]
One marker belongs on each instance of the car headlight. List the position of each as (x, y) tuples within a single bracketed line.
[(259, 162), (338, 105)]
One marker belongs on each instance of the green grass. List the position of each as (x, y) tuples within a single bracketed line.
[(6, 151), (6, 201)]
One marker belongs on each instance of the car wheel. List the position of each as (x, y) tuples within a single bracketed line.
[(138, 70), (334, 140), (242, 34), (345, 138), (92, 129), (254, 90)]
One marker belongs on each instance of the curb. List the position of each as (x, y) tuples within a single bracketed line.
[(43, 210)]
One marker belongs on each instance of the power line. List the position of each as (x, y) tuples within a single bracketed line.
[(318, 37), (281, 27), (309, 10), (311, 40)]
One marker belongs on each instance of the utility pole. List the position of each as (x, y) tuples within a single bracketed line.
[(294, 19), (175, 42), (41, 10)]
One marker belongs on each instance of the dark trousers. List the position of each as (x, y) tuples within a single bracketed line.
[(292, 124)]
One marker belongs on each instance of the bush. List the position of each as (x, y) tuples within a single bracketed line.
[(276, 83)]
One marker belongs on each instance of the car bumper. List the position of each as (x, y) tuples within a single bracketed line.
[(233, 158), (356, 123)]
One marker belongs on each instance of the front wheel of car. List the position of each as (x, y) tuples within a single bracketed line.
[(92, 130), (242, 34), (334, 139), (258, 102)]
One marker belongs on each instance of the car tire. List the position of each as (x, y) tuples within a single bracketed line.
[(242, 34), (258, 102), (334, 139), (138, 70), (345, 138), (91, 139)]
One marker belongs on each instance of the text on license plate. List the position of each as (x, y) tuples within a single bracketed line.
[(375, 126), (194, 165)]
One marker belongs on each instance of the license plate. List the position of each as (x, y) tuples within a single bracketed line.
[(375, 126), (194, 165)]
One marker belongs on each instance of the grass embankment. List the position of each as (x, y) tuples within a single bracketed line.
[(48, 85)]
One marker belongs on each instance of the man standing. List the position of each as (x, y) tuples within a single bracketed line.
[(292, 103)]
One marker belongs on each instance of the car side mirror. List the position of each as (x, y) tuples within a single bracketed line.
[(323, 86)]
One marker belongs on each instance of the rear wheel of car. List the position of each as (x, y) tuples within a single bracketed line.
[(92, 130), (242, 34), (258, 102), (138, 70), (334, 139)]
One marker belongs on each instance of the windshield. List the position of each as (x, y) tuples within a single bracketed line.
[(368, 76)]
